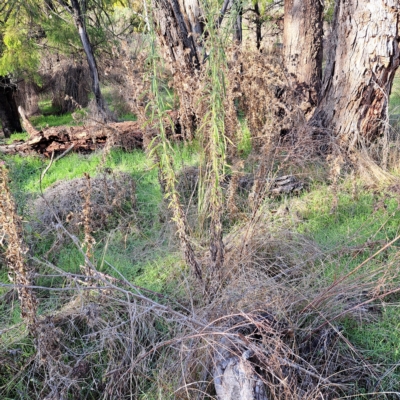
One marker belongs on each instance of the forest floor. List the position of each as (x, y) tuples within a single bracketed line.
[(332, 230)]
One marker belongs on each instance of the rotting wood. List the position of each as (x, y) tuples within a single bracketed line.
[(235, 376), (128, 135)]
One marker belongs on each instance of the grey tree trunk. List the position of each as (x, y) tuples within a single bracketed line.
[(76, 88), (258, 23), (9, 116), (361, 65), (302, 46), (27, 97), (80, 25)]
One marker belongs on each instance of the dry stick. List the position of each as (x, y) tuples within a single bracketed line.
[(47, 168), (334, 284)]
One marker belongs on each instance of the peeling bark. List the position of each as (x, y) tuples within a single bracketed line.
[(178, 28), (361, 65), (302, 41)]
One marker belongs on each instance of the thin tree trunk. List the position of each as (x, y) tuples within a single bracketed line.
[(80, 25), (238, 35), (258, 23), (302, 42), (361, 65), (9, 116)]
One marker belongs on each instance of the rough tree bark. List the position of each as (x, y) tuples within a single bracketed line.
[(238, 33), (361, 65), (302, 43), (258, 23), (9, 116), (178, 27)]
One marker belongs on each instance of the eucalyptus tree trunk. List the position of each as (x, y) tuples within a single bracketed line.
[(302, 44), (179, 28), (79, 21), (9, 116), (361, 65)]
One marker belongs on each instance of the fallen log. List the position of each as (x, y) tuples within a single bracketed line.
[(128, 135)]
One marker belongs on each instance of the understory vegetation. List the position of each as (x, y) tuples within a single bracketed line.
[(231, 235)]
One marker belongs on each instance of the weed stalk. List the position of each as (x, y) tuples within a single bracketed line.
[(19, 271)]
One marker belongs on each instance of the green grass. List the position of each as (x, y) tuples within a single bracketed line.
[(353, 222), (394, 102), (47, 121), (128, 117), (244, 145), (46, 107), (16, 137), (137, 253), (372, 217)]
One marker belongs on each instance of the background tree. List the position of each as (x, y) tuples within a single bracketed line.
[(361, 64), (302, 46), (9, 116), (77, 9)]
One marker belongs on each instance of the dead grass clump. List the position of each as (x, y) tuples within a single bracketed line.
[(274, 321), (266, 98), (109, 344), (110, 195)]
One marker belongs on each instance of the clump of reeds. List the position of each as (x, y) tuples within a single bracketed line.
[(161, 151)]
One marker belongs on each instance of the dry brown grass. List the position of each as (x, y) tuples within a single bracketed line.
[(109, 194), (273, 311)]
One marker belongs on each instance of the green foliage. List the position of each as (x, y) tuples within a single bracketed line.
[(244, 145), (61, 33), (32, 27), (20, 52), (329, 8)]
